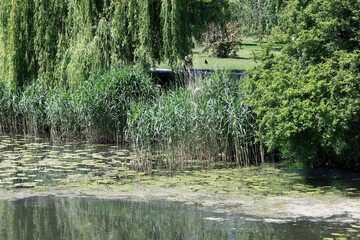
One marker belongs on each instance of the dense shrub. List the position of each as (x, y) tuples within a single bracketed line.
[(307, 98), (223, 41)]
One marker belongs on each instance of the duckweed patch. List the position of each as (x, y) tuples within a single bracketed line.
[(261, 181), (36, 166)]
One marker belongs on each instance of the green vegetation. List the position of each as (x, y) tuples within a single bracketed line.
[(206, 120), (306, 99), (28, 162), (77, 69), (223, 41), (68, 40), (71, 77), (257, 17), (96, 109)]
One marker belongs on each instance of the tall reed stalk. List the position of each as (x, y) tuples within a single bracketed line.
[(96, 108), (204, 123)]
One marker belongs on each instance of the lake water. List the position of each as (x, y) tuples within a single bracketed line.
[(27, 162), (90, 218)]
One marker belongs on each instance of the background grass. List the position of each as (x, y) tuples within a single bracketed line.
[(243, 61)]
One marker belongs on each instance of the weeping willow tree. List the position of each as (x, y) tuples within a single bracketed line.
[(176, 29), (17, 55), (68, 40)]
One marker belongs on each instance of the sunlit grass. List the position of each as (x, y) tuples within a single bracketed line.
[(243, 61)]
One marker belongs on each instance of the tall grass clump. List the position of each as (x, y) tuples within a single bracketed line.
[(205, 122), (22, 109), (10, 116), (101, 103), (95, 109), (31, 106), (61, 113)]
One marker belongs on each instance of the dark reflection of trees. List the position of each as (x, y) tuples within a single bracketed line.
[(344, 180), (87, 218)]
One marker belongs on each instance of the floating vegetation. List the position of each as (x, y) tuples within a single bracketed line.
[(29, 162), (351, 234)]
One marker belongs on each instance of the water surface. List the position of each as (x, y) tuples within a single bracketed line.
[(90, 218)]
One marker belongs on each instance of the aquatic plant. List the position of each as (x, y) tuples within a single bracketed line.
[(204, 120), (32, 106), (9, 109), (96, 109), (102, 102)]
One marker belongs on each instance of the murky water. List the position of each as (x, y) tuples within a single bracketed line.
[(90, 218)]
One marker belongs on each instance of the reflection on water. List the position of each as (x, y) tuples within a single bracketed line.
[(346, 181), (89, 218)]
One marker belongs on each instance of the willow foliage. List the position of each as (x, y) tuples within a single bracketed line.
[(176, 29), (17, 54), (70, 40)]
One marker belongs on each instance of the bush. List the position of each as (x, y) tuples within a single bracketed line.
[(223, 42), (307, 98)]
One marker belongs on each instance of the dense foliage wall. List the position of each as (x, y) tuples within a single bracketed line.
[(307, 99), (257, 16), (67, 40)]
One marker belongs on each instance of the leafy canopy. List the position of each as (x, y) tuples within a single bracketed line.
[(70, 40), (307, 99)]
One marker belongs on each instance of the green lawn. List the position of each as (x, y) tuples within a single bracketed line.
[(240, 63)]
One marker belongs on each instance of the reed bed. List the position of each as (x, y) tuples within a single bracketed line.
[(205, 123), (95, 109)]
